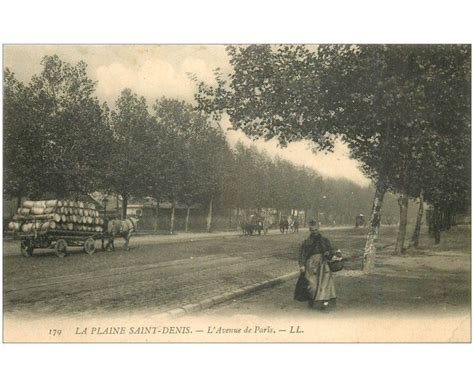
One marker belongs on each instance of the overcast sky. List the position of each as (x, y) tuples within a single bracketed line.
[(161, 70)]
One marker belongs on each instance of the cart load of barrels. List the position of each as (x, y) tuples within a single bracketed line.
[(56, 215)]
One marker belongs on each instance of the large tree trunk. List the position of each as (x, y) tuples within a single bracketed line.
[(454, 222), (373, 233), (436, 224), (117, 205), (429, 220), (441, 212), (449, 218), (415, 239), (124, 206), (186, 223), (209, 217), (402, 227), (173, 209)]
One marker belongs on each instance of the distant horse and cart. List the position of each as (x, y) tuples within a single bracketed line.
[(257, 225), (287, 224), (254, 225)]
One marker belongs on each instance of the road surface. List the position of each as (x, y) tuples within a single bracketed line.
[(161, 273)]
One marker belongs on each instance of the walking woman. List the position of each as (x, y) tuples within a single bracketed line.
[(315, 283)]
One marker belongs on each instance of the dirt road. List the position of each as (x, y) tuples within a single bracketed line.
[(158, 276), (154, 277)]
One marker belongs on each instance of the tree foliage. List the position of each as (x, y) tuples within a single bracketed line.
[(397, 107), (21, 143), (56, 122), (193, 151)]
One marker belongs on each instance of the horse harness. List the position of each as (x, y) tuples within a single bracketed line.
[(133, 225), (122, 230)]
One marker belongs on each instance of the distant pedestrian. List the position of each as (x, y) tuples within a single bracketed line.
[(315, 283), (284, 225), (296, 226)]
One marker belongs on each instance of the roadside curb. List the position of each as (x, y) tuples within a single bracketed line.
[(209, 302)]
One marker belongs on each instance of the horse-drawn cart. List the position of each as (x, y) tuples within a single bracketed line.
[(57, 224), (58, 240)]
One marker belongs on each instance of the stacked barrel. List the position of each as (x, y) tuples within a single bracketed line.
[(46, 215)]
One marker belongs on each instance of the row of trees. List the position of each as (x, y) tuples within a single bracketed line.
[(257, 181), (403, 110), (59, 139)]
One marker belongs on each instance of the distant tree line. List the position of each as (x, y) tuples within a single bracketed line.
[(60, 139)]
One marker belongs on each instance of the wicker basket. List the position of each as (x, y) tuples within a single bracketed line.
[(336, 265)]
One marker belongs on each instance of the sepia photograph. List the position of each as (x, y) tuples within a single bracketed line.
[(239, 193)]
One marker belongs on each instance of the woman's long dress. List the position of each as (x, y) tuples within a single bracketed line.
[(320, 279)]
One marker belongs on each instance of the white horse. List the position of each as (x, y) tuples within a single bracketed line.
[(120, 228)]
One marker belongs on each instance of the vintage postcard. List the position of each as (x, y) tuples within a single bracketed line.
[(236, 193)]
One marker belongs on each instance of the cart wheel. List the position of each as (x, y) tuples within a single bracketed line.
[(60, 248), (89, 246), (26, 248)]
